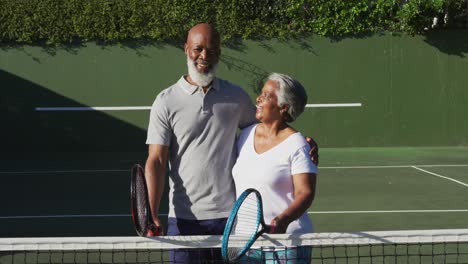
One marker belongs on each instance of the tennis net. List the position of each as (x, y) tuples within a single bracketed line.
[(427, 246)]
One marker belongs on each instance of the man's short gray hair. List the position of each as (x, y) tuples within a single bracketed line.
[(290, 92)]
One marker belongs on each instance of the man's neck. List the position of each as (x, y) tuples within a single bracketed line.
[(205, 88)]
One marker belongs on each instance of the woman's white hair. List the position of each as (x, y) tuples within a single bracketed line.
[(290, 92)]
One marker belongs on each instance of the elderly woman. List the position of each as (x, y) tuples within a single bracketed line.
[(273, 158)]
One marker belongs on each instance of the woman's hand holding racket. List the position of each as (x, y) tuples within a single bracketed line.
[(280, 225)]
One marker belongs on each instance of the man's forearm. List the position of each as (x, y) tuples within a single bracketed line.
[(155, 178)]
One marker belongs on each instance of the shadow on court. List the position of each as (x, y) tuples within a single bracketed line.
[(27, 132), (63, 164)]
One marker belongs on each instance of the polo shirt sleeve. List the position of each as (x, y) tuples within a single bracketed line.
[(159, 131), (301, 162)]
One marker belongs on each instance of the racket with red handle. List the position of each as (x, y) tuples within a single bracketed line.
[(141, 212)]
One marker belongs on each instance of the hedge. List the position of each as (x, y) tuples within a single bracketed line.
[(109, 21)]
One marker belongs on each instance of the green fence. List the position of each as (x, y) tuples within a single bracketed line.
[(412, 90)]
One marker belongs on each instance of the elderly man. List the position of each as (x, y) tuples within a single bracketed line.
[(194, 123)]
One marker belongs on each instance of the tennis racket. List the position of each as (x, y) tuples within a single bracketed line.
[(141, 212), (246, 224)]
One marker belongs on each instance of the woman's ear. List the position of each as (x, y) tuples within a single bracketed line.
[(284, 112), (284, 109)]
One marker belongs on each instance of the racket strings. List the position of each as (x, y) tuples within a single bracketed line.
[(247, 217), (142, 203), (246, 225)]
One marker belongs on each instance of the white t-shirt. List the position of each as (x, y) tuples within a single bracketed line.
[(271, 174)]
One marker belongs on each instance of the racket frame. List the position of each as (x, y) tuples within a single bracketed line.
[(143, 231), (232, 219)]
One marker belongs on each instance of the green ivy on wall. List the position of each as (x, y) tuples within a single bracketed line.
[(110, 21)]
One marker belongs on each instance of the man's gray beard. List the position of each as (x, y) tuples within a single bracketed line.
[(202, 79)]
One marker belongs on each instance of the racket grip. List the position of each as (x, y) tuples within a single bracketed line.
[(154, 231), (271, 229)]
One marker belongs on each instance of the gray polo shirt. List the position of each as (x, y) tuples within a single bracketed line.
[(200, 130)]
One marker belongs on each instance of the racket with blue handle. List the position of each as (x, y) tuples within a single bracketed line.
[(246, 224), (140, 208)]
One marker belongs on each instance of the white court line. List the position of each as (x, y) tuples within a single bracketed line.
[(366, 167), (132, 108), (312, 212), (332, 167), (334, 105), (93, 108), (392, 166), (61, 171), (441, 176), (389, 211), (446, 165), (63, 216)]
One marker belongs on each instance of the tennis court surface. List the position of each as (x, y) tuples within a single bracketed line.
[(83, 201)]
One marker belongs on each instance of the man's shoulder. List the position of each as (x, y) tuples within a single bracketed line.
[(165, 97), (231, 87), (224, 82), (168, 92)]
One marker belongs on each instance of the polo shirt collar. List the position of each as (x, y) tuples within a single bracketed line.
[(191, 89)]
